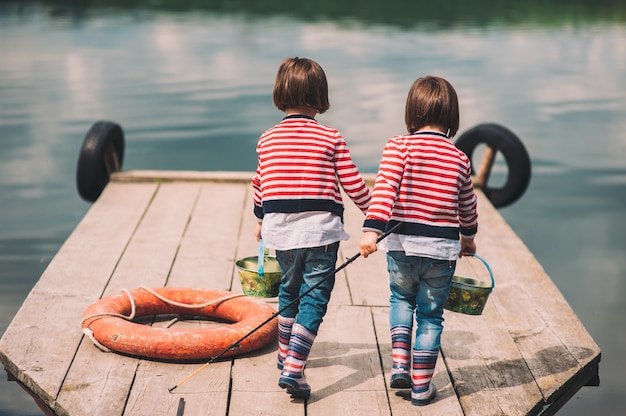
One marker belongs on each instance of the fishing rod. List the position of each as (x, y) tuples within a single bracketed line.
[(315, 286)]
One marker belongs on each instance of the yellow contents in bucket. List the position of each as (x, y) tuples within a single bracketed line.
[(252, 284)]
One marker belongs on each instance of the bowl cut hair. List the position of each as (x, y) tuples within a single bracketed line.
[(432, 101), (301, 82)]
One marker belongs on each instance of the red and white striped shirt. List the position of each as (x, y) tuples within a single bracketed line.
[(424, 183), (301, 164)]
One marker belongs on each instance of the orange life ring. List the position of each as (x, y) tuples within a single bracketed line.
[(108, 323)]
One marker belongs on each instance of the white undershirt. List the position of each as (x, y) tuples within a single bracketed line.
[(431, 247), (282, 231)]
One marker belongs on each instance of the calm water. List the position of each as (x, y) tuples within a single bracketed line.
[(192, 90)]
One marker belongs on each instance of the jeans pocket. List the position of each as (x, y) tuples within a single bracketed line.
[(400, 273), (438, 273)]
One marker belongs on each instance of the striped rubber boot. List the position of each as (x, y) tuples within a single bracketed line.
[(292, 376), (423, 390), (400, 357), (284, 333)]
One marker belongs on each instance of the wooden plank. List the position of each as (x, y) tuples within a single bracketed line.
[(146, 261), (446, 402), (367, 278), (515, 263), (149, 257), (207, 253), (341, 292), (344, 368), (546, 330), (161, 176), (489, 374), (204, 260), (546, 356), (205, 393), (37, 347), (351, 402), (527, 349), (255, 376), (255, 387)]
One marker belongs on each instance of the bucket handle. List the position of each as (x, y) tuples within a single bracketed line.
[(493, 282), (261, 271)]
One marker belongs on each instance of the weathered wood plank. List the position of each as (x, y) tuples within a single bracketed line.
[(351, 402), (344, 368), (367, 278), (204, 260), (255, 387), (546, 356), (489, 374), (186, 229), (146, 261), (205, 394), (149, 256), (46, 330), (255, 377), (553, 342), (515, 263), (161, 176), (207, 252)]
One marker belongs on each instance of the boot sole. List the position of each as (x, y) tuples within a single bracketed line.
[(400, 381), (293, 388)]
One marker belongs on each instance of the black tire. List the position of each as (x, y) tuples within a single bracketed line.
[(502, 140), (101, 154)]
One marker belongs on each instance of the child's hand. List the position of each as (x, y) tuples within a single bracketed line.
[(257, 231), (468, 246), (368, 243)]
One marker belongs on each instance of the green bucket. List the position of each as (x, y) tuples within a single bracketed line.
[(259, 275), (469, 295)]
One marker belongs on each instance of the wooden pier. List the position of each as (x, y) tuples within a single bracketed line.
[(527, 354)]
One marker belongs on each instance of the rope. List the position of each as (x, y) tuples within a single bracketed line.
[(89, 333), (134, 308), (117, 315), (186, 305)]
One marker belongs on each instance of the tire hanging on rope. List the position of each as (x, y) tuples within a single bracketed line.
[(502, 140)]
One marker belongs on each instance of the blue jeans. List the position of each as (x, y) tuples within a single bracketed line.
[(420, 286), (301, 269)]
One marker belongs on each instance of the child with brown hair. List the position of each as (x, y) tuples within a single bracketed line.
[(299, 209), (423, 183)]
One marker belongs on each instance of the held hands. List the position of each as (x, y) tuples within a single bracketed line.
[(257, 231), (368, 243)]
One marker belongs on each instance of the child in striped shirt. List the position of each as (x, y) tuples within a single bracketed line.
[(423, 183), (299, 209)]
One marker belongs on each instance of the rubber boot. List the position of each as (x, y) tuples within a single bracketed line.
[(423, 390), (400, 357), (284, 334), (292, 377)]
